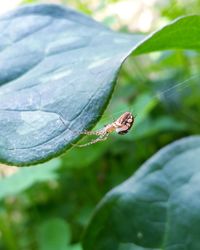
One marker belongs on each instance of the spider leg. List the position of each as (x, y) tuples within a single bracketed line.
[(86, 132), (100, 138), (98, 132)]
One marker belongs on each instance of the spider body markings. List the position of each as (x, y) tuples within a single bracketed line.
[(122, 125)]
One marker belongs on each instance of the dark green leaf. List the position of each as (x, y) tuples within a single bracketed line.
[(157, 208)]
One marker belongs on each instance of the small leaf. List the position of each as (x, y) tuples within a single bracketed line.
[(26, 177), (157, 208), (54, 234)]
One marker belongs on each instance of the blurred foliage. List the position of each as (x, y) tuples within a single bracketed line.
[(161, 89)]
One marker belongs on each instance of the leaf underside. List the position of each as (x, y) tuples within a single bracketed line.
[(58, 70), (157, 208)]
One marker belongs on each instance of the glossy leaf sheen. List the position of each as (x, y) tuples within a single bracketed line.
[(58, 70), (157, 208)]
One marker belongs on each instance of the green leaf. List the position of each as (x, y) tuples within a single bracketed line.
[(182, 33), (157, 208), (53, 234), (28, 176), (58, 70)]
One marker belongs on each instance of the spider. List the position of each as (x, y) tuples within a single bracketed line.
[(121, 126)]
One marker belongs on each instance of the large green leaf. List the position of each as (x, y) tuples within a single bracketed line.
[(58, 70), (157, 208)]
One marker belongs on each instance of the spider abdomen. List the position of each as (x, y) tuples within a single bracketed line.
[(124, 123)]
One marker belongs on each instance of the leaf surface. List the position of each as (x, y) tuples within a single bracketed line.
[(58, 70), (182, 33), (157, 208)]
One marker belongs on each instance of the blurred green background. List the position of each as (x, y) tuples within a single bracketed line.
[(48, 206)]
